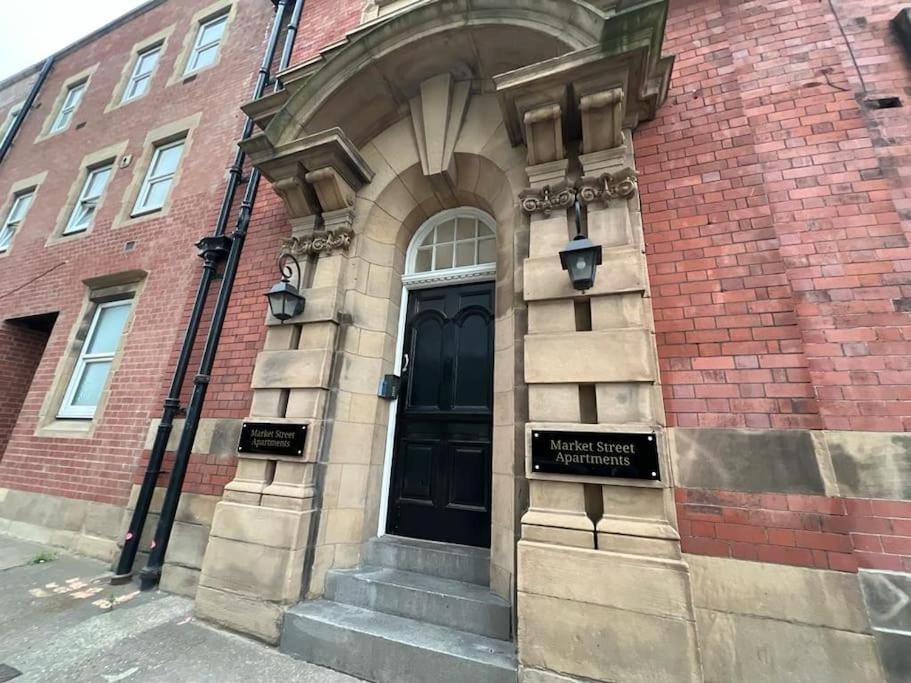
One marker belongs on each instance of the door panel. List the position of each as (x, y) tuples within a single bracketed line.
[(468, 476), (473, 378), (441, 469), (417, 481), (425, 390)]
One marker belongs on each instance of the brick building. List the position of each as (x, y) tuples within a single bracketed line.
[(117, 170), (744, 168)]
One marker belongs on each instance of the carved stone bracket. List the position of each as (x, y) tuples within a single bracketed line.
[(547, 198), (318, 242), (315, 173), (602, 120), (544, 134), (608, 186)]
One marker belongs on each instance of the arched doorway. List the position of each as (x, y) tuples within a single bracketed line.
[(438, 451)]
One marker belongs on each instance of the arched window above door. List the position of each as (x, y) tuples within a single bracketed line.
[(455, 240)]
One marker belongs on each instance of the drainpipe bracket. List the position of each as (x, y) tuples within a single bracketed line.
[(214, 248)]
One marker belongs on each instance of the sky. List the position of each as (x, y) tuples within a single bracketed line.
[(31, 30)]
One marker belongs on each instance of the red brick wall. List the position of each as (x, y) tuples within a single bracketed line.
[(775, 217), (20, 353), (324, 22), (244, 333), (100, 468), (245, 330), (843, 534)]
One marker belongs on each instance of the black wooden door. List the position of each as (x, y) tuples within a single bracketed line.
[(441, 469)]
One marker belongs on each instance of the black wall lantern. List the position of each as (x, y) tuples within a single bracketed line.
[(581, 257), (285, 300)]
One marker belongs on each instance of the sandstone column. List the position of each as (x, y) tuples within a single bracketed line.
[(603, 593), (264, 529)]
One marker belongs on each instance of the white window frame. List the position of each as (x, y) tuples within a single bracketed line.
[(139, 207), (136, 77), (11, 225), (67, 409), (65, 116), (10, 119), (199, 48), (87, 202)]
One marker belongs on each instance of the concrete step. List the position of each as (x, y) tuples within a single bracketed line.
[(384, 648), (431, 599), (445, 560)]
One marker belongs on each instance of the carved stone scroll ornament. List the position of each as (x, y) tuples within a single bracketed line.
[(547, 199), (609, 186), (318, 242)]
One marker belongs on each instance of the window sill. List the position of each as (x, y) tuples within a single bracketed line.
[(51, 134), (190, 76), (147, 212), (135, 220), (63, 238), (67, 428), (114, 105)]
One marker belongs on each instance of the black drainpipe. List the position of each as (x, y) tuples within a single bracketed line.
[(151, 573), (212, 250), (26, 107)]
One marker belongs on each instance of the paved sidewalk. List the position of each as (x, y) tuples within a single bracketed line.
[(60, 620)]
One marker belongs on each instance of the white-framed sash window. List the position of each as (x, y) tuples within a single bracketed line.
[(207, 44), (10, 119), (70, 103), (84, 211), (159, 178), (141, 77), (93, 366), (17, 212)]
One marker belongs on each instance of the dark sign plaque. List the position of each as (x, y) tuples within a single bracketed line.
[(272, 438), (596, 454)]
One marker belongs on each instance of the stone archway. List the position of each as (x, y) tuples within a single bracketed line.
[(329, 361), (452, 103), (389, 211)]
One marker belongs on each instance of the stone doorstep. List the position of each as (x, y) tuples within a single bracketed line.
[(448, 561), (444, 602), (417, 611), (388, 649)]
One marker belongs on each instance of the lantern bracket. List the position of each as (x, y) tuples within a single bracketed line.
[(285, 299)]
